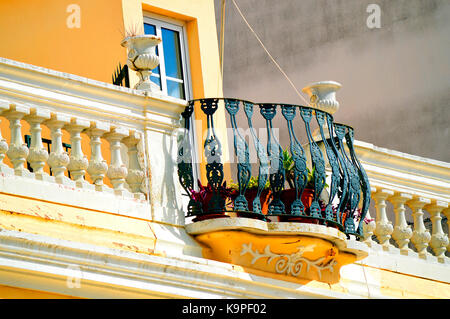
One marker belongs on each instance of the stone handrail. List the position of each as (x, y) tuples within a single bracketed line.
[(406, 188), (120, 122)]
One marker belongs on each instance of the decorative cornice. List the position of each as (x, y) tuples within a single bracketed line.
[(59, 91), (37, 262)]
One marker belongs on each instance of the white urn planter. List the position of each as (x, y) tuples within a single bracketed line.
[(322, 95), (142, 58)]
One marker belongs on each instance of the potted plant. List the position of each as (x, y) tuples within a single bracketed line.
[(251, 193), (205, 194), (288, 195)]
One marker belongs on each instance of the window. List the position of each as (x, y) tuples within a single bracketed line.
[(171, 74)]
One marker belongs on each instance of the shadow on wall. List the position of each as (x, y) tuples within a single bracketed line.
[(396, 79)]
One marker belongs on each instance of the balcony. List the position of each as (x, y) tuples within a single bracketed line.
[(112, 205), (303, 211)]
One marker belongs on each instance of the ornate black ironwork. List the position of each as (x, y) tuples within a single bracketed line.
[(354, 188), (275, 154), (213, 151), (242, 153), (343, 175), (299, 158), (363, 178), (121, 77), (348, 177), (185, 173), (334, 164), (263, 172), (318, 164)]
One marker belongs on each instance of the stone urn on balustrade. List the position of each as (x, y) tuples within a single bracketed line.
[(142, 58), (322, 95)]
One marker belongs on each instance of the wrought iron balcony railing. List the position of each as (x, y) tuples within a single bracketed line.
[(348, 198)]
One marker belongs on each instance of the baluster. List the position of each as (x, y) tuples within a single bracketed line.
[(439, 240), (263, 171), (4, 106), (343, 172), (184, 159), (333, 161), (349, 203), (369, 224), (135, 173), (117, 171), (384, 227), (58, 158), (421, 236), (299, 158), (38, 155), (363, 179), (318, 164), (242, 153), (447, 215), (78, 161), (213, 151), (275, 154), (97, 165), (402, 232), (18, 150)]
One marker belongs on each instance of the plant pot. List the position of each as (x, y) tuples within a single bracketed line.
[(142, 58), (288, 197), (250, 196)]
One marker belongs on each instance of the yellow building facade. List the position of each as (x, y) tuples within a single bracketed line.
[(123, 234)]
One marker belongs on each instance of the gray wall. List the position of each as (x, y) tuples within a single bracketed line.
[(396, 79)]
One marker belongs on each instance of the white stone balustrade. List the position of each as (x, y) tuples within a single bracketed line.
[(135, 174), (126, 181), (439, 241), (383, 229), (97, 165), (405, 189), (78, 163), (402, 232), (117, 171), (38, 155), (17, 151)]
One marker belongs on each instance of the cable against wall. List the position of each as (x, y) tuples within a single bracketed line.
[(268, 53)]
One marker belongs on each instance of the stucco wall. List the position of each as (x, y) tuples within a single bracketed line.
[(396, 79)]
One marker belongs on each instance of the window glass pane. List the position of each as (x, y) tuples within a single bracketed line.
[(156, 80), (172, 53), (175, 89), (151, 29)]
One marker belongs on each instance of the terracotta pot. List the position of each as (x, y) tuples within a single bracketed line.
[(287, 196), (250, 196)]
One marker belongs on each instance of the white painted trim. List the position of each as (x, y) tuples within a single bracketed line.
[(171, 24), (42, 263)]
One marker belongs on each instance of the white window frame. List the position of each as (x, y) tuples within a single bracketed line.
[(179, 26)]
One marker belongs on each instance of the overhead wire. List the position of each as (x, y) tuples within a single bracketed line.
[(260, 42)]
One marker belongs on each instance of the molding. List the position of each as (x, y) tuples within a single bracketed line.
[(410, 264), (336, 237), (63, 92), (404, 172), (42, 263)]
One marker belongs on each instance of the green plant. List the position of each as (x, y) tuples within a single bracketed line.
[(252, 184), (288, 165)]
